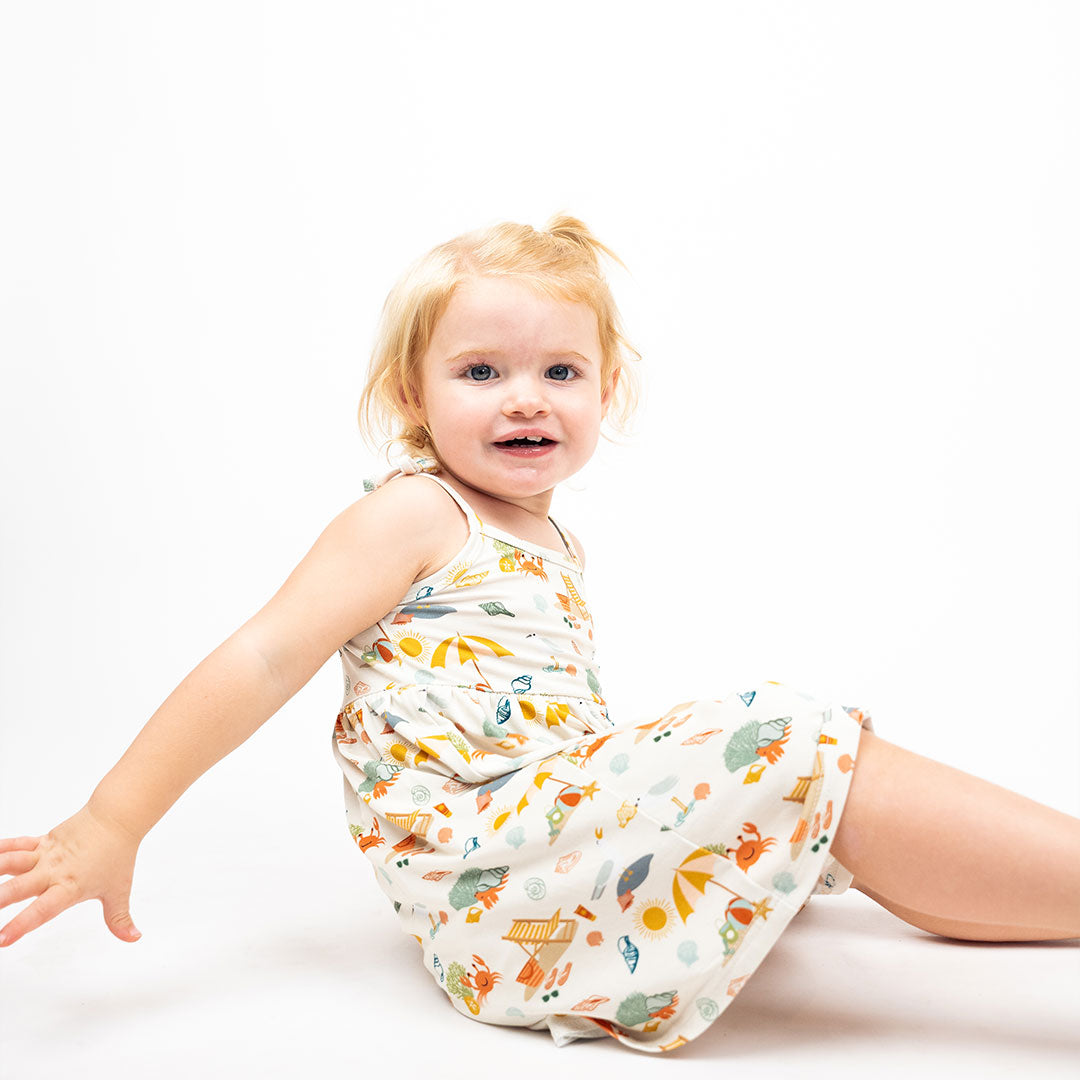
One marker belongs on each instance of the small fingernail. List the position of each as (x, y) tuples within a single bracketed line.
[(135, 935), (3, 939)]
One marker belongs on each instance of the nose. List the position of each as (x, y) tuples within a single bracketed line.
[(525, 395)]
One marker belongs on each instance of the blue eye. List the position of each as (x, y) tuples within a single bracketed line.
[(566, 372), (485, 368)]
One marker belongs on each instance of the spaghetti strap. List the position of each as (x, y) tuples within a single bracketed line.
[(475, 525), (566, 543), (407, 465)]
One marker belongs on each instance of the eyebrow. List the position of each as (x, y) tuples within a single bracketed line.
[(497, 352)]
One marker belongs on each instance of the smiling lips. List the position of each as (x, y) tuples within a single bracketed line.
[(525, 437), (526, 444)]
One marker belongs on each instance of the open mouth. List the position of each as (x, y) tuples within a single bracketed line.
[(526, 442)]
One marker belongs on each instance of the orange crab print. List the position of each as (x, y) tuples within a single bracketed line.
[(371, 840), (749, 850), (530, 566), (481, 981)]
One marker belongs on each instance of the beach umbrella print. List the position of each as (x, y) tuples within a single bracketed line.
[(465, 653), (692, 875)]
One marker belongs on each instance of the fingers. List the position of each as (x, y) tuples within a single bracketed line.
[(19, 843), (18, 862), (118, 918), (18, 854), (48, 906), (22, 888)]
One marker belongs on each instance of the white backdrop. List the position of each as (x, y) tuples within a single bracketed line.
[(851, 233)]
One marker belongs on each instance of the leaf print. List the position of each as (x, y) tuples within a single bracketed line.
[(507, 562), (459, 744), (453, 979), (495, 607)]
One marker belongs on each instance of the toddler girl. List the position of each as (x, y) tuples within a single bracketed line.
[(559, 868)]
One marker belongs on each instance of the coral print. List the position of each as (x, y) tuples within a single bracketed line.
[(557, 869)]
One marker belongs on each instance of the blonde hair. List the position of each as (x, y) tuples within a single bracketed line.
[(559, 261)]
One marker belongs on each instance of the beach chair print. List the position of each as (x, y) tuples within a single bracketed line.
[(544, 941)]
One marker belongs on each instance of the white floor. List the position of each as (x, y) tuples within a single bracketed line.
[(249, 973)]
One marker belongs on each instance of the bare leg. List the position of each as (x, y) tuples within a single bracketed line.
[(956, 855)]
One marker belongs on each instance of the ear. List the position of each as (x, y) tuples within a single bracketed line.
[(408, 408), (609, 391)]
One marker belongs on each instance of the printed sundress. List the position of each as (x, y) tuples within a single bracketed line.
[(558, 869)]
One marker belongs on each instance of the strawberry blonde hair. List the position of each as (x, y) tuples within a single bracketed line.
[(559, 261)]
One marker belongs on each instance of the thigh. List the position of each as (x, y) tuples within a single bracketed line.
[(952, 852)]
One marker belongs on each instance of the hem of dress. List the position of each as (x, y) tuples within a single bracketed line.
[(725, 983)]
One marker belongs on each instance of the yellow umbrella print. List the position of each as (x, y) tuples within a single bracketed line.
[(694, 873), (466, 654)]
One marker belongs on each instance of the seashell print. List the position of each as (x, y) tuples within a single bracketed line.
[(707, 1008), (567, 862), (701, 736), (589, 1004), (535, 889), (687, 952), (495, 607), (460, 577), (629, 952)]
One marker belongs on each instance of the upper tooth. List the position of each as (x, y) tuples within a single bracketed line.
[(535, 438)]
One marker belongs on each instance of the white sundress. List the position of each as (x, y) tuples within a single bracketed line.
[(559, 869)]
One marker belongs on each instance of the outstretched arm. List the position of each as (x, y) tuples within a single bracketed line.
[(343, 585), (92, 854)]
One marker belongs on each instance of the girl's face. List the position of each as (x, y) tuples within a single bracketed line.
[(506, 362)]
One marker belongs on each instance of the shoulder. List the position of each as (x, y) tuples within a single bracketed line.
[(359, 567), (417, 518)]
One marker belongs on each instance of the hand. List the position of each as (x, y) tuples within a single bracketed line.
[(88, 857)]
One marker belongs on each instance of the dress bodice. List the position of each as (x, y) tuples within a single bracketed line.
[(483, 664)]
